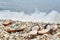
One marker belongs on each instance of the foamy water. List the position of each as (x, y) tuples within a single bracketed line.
[(37, 16)]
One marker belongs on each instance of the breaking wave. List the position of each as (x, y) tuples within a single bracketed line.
[(37, 16)]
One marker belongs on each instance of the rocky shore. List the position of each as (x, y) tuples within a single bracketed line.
[(18, 30)]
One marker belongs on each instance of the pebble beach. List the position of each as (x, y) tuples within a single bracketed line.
[(18, 30)]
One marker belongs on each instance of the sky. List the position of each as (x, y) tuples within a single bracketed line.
[(30, 5)]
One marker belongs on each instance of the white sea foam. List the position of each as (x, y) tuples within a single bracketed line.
[(37, 16)]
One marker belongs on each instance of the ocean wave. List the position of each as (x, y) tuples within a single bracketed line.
[(37, 16)]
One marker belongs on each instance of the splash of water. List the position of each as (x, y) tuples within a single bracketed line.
[(37, 16)]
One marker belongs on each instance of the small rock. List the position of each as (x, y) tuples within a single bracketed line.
[(41, 26), (46, 36), (44, 31), (17, 23), (22, 27), (7, 22), (1, 38), (34, 39), (33, 33), (54, 27), (35, 28), (11, 31), (58, 34), (17, 30)]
